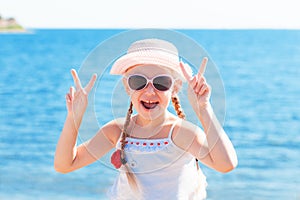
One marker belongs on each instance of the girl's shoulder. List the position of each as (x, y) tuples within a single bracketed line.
[(185, 133), (187, 127), (112, 129)]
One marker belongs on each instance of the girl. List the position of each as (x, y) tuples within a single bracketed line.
[(157, 152)]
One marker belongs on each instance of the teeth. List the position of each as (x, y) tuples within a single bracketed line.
[(150, 101), (149, 104)]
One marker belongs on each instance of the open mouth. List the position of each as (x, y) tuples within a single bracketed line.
[(149, 104)]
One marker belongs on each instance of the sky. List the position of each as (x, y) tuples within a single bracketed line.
[(210, 14)]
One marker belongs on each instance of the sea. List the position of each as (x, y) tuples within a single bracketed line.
[(259, 70)]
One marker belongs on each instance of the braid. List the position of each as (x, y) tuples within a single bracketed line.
[(130, 176), (126, 124), (177, 107)]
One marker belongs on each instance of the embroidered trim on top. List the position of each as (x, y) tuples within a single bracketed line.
[(146, 145)]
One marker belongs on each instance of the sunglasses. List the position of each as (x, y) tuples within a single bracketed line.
[(160, 82)]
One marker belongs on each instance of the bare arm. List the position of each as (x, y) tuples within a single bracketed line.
[(66, 146), (216, 149), (69, 157), (221, 151)]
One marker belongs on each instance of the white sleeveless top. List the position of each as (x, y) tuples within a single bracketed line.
[(163, 171)]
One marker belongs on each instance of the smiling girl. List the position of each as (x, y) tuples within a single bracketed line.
[(157, 152)]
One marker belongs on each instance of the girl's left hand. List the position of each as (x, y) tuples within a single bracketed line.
[(199, 91)]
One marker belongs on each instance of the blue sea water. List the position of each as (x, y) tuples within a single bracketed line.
[(260, 70)]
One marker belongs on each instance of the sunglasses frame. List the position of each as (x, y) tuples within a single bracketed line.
[(151, 81)]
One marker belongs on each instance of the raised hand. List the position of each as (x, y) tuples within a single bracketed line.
[(199, 91), (77, 98)]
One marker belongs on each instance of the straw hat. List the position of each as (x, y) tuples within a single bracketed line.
[(149, 52)]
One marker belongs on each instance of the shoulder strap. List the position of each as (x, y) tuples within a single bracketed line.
[(172, 128)]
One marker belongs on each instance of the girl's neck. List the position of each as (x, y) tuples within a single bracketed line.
[(160, 120), (146, 128)]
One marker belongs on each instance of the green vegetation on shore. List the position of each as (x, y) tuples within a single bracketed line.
[(10, 25)]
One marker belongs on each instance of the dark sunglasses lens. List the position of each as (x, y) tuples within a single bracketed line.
[(137, 82), (162, 83)]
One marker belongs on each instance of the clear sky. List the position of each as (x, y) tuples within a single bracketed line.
[(153, 13)]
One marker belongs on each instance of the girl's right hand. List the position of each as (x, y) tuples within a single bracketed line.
[(77, 98), (199, 91)]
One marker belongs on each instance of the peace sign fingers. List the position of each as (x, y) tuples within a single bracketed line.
[(188, 75), (77, 82), (77, 98), (199, 90)]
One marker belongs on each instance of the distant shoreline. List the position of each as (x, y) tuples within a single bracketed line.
[(10, 25), (13, 30)]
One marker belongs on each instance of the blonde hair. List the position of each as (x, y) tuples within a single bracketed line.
[(130, 176)]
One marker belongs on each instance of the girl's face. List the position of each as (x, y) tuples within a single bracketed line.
[(149, 102)]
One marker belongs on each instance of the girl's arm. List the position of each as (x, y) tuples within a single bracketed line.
[(214, 148), (66, 146), (68, 156), (221, 153)]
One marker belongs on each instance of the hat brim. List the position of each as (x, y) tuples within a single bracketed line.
[(146, 57)]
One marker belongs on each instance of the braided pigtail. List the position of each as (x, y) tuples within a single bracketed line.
[(179, 111), (130, 176), (177, 107), (124, 132)]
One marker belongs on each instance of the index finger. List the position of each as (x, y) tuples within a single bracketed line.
[(203, 66), (188, 76), (76, 79)]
